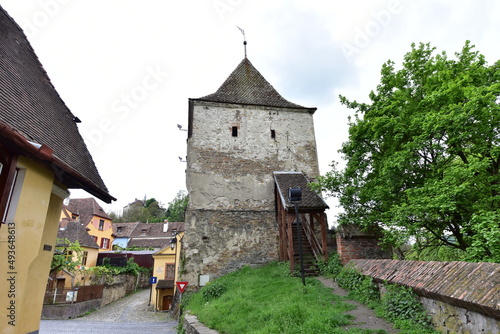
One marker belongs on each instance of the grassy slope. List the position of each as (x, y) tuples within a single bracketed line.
[(267, 300)]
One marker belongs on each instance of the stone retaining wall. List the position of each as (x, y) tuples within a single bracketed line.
[(193, 326), (121, 286), (220, 242), (460, 297), (69, 311)]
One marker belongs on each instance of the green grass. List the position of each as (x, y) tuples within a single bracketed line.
[(268, 300)]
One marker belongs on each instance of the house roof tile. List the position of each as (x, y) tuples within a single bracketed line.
[(123, 230), (286, 180), (245, 85), (86, 209), (156, 243), (32, 113), (165, 284), (156, 229), (76, 231), (148, 234)]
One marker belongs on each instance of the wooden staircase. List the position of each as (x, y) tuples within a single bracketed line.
[(310, 262)]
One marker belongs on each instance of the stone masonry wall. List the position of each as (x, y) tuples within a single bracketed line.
[(452, 319), (121, 286), (460, 297), (224, 241), (236, 172), (233, 151)]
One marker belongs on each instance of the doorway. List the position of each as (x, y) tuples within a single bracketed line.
[(166, 303)]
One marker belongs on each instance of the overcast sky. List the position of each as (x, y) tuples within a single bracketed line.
[(126, 68)]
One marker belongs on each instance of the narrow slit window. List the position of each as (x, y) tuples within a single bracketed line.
[(273, 134), (235, 131)]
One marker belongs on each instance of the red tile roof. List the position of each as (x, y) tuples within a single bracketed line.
[(34, 120), (122, 230), (86, 208), (148, 234)]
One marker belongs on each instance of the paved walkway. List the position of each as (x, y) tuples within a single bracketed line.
[(127, 315), (364, 317)]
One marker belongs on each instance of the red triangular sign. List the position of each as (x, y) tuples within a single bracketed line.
[(181, 286)]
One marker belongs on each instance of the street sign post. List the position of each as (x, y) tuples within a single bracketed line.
[(152, 280), (181, 286)]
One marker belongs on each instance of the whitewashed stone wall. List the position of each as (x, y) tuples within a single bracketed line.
[(447, 318)]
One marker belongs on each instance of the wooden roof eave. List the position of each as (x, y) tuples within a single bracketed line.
[(44, 154)]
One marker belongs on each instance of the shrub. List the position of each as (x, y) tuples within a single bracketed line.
[(361, 287), (400, 303), (132, 268), (213, 291), (332, 266), (103, 274)]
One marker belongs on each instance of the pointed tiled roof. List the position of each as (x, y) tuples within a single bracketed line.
[(247, 86), (74, 231), (34, 120), (286, 180), (86, 209)]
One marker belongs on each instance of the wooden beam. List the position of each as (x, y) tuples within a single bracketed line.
[(324, 242), (290, 219)]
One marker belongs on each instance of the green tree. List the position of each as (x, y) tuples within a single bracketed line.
[(423, 158), (116, 218), (136, 214), (153, 211), (176, 208), (67, 256), (150, 201), (156, 211)]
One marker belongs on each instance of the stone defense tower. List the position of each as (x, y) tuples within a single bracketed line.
[(237, 138)]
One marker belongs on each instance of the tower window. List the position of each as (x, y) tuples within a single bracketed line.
[(235, 131), (273, 134)]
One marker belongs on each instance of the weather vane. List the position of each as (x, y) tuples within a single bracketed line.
[(244, 40)]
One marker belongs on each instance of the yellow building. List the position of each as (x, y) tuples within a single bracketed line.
[(70, 232), (42, 155), (93, 217), (166, 270), (71, 229)]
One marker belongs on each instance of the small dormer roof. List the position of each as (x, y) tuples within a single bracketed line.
[(286, 180)]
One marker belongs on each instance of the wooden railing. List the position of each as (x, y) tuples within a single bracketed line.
[(313, 241)]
